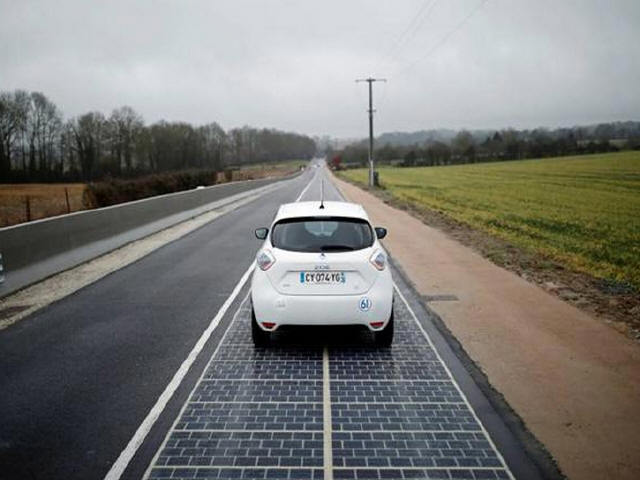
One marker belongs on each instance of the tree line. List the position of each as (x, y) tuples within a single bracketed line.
[(38, 144), (507, 144)]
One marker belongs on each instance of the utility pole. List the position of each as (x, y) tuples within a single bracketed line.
[(371, 110)]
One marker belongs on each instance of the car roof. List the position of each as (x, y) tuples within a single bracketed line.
[(312, 209)]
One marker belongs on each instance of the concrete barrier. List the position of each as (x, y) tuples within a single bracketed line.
[(34, 250)]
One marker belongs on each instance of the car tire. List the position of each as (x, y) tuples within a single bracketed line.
[(384, 338), (260, 337)]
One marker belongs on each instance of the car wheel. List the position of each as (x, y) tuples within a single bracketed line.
[(384, 338), (260, 337)]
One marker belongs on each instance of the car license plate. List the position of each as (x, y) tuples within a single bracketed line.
[(323, 278)]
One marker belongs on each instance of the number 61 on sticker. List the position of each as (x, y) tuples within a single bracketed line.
[(365, 304)]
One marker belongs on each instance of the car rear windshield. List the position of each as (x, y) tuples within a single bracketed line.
[(322, 234)]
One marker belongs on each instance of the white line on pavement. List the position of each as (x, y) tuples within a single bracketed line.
[(326, 413), (118, 468), (307, 187)]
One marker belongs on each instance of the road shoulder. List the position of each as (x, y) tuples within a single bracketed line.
[(573, 380)]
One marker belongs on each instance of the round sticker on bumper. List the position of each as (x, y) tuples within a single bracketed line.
[(365, 304)]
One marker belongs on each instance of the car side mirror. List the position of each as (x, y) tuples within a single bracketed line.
[(261, 233), (381, 232)]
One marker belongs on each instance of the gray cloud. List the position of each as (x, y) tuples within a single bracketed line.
[(292, 65)]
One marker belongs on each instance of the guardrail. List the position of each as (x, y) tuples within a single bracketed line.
[(34, 250)]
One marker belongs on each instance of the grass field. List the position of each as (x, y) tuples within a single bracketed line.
[(582, 211), (45, 199)]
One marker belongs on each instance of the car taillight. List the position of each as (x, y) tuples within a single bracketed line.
[(268, 325), (376, 324), (265, 260), (378, 260)]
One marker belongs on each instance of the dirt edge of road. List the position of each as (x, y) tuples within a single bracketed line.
[(615, 304)]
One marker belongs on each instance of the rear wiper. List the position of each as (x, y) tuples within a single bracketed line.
[(325, 248)]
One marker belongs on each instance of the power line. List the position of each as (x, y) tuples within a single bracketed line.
[(447, 35), (410, 30), (420, 17), (416, 29)]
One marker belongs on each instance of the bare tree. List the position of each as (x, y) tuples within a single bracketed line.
[(13, 120), (126, 125), (88, 134), (213, 143), (44, 123)]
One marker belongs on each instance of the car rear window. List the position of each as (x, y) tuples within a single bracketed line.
[(322, 234)]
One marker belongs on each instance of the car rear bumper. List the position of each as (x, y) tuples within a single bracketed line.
[(373, 306)]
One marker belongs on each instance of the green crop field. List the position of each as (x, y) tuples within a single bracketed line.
[(583, 211)]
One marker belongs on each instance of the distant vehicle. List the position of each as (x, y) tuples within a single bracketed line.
[(321, 264)]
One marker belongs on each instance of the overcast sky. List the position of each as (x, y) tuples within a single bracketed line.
[(292, 64)]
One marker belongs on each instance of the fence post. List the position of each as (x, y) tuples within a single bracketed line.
[(66, 196), (27, 204)]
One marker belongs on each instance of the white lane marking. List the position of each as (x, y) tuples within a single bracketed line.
[(326, 415), (307, 187), (118, 468), (446, 368), (337, 189), (198, 382)]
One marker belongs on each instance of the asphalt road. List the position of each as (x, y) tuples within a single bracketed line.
[(79, 377)]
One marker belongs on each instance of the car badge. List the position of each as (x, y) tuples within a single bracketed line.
[(323, 256)]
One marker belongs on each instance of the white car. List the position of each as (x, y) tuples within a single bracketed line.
[(321, 264)]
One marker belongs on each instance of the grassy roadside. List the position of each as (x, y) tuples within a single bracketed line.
[(570, 224)]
